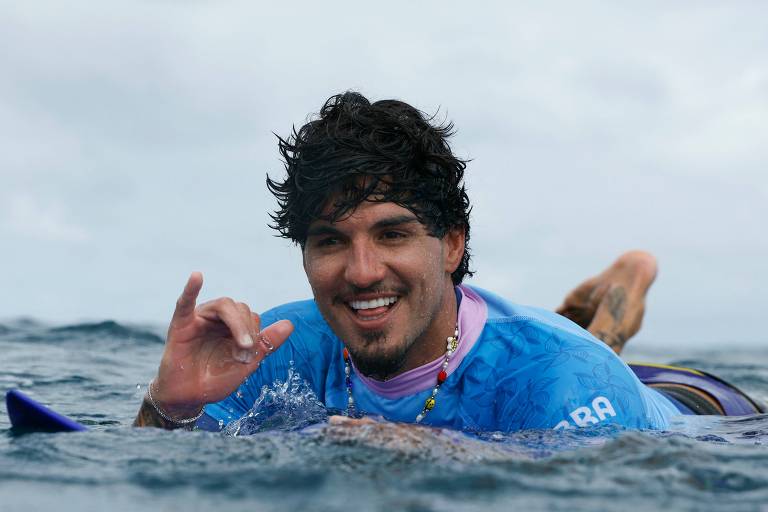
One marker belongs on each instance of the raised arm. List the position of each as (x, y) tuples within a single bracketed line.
[(611, 305), (209, 352)]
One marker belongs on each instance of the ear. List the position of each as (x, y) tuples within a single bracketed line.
[(304, 257), (454, 241)]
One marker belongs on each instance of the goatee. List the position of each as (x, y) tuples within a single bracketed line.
[(375, 364)]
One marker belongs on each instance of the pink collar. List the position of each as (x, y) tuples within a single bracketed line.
[(473, 312)]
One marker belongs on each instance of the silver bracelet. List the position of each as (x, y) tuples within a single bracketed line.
[(183, 421)]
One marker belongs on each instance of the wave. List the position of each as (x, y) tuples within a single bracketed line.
[(27, 330), (109, 328)]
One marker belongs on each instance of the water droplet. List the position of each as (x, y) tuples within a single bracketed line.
[(284, 405)]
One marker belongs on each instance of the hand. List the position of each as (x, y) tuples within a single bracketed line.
[(611, 305), (382, 434), (418, 442), (210, 350)]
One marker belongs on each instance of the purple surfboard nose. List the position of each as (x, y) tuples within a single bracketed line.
[(30, 416)]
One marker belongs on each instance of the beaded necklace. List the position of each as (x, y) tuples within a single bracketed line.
[(452, 343)]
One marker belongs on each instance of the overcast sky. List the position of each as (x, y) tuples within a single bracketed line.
[(135, 138)]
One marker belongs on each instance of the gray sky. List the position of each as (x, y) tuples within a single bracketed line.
[(135, 138)]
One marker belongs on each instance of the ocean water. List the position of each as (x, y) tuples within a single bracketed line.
[(294, 459)]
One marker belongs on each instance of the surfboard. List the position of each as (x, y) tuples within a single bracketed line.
[(28, 415)]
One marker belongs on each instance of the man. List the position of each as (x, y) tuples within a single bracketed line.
[(375, 199)]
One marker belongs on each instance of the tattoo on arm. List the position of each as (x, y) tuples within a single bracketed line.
[(148, 417), (616, 302), (615, 340)]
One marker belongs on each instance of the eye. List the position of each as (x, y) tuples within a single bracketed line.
[(393, 235), (327, 241)]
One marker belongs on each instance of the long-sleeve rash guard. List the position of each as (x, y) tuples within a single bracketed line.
[(516, 367)]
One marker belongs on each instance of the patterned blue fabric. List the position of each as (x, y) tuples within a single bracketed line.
[(530, 369)]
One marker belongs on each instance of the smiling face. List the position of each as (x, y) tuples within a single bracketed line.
[(383, 284)]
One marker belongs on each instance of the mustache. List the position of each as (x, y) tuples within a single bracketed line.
[(351, 291)]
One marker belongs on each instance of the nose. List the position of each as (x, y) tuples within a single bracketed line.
[(364, 267)]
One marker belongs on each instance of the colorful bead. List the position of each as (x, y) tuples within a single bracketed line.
[(452, 343)]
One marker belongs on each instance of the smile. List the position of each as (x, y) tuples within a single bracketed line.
[(373, 313), (373, 303)]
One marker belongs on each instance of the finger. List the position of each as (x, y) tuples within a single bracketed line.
[(266, 342), (185, 305), (236, 321), (338, 420), (245, 311)]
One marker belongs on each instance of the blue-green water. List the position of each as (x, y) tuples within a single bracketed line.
[(96, 373)]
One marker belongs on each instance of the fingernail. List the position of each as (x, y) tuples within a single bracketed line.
[(243, 356), (246, 341)]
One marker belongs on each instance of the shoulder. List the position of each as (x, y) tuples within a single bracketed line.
[(530, 329), (555, 373), (544, 352), (502, 311)]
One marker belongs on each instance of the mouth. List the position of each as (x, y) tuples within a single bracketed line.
[(372, 309)]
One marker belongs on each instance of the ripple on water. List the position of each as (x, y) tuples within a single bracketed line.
[(286, 456)]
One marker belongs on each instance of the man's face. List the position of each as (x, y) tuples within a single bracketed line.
[(384, 285)]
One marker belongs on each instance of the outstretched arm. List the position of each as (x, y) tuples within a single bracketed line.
[(209, 351), (611, 305)]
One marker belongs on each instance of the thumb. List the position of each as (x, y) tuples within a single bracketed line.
[(275, 335), (269, 340)]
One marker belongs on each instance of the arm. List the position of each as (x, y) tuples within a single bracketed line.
[(611, 305), (209, 351)]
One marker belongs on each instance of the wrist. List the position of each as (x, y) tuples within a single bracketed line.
[(180, 413)]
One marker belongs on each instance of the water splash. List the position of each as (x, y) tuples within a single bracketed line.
[(286, 406)]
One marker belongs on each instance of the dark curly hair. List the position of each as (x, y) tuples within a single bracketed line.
[(356, 151)]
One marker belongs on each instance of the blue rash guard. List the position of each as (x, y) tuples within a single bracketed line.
[(516, 368)]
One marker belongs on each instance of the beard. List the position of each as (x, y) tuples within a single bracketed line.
[(373, 360)]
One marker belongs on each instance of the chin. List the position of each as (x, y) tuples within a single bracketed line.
[(374, 358)]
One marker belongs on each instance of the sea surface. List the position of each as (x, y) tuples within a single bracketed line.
[(295, 459)]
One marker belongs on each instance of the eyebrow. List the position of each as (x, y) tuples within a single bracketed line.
[(395, 221), (388, 222)]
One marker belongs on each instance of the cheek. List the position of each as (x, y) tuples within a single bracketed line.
[(319, 274), (423, 266)]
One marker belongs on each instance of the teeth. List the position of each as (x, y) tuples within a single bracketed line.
[(370, 304)]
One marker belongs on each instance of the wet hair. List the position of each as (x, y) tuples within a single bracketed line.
[(355, 151)]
